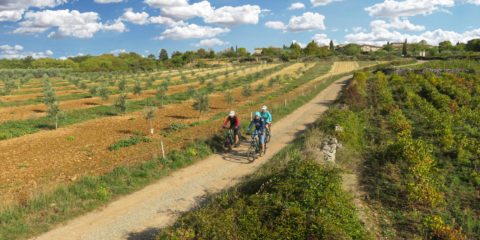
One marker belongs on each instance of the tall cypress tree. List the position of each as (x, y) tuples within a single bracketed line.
[(404, 49)]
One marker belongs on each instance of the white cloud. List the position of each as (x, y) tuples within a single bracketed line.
[(11, 15), (321, 39), (381, 36), (133, 17), (11, 48), (356, 29), (408, 8), (396, 23), (228, 16), (296, 6), (166, 3), (317, 3), (275, 25), (184, 12), (142, 18), (16, 51), (12, 10), (108, 1), (476, 2), (165, 21), (308, 21), (191, 31), (117, 26), (212, 42), (65, 23), (118, 51), (302, 45)]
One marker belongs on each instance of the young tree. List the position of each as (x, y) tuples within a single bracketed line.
[(201, 103), (191, 92), (405, 48), (247, 91), (149, 82), (93, 90), (210, 87), (149, 114), (161, 94), (122, 85), (103, 92), (229, 98), (445, 46), (137, 88), (331, 46), (121, 103), (202, 80), (163, 55), (183, 78), (50, 99), (225, 84)]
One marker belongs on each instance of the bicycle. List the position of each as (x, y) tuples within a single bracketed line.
[(268, 135), (254, 148), (229, 141)]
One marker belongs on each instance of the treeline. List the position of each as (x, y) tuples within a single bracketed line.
[(127, 61)]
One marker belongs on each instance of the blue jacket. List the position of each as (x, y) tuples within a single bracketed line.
[(267, 116), (258, 123)]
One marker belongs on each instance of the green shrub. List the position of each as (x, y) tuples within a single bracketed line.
[(304, 201), (132, 140)]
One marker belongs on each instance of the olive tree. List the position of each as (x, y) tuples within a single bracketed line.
[(201, 103), (50, 99), (149, 114)]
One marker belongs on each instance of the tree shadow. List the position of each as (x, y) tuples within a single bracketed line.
[(45, 126), (91, 104), (178, 117), (147, 234), (125, 131), (38, 111)]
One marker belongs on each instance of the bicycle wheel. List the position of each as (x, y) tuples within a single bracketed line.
[(252, 153), (228, 142), (268, 136), (265, 148)]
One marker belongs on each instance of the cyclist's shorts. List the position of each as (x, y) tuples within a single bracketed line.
[(261, 137), (235, 131)]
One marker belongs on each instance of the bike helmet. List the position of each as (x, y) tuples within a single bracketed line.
[(257, 114), (264, 108), (232, 114)]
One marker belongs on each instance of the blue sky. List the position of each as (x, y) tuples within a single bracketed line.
[(63, 28)]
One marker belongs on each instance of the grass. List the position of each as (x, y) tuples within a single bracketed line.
[(131, 141)]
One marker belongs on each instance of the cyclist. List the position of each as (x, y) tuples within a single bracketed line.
[(234, 125), (267, 116), (259, 124)]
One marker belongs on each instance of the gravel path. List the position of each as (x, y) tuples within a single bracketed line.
[(141, 214)]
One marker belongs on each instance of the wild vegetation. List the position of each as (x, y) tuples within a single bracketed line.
[(418, 135), (291, 197)]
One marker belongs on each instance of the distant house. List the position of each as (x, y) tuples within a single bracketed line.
[(370, 48), (397, 45), (258, 51)]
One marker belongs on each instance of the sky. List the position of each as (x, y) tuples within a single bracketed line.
[(65, 28)]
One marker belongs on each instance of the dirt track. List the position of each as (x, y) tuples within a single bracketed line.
[(138, 215)]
